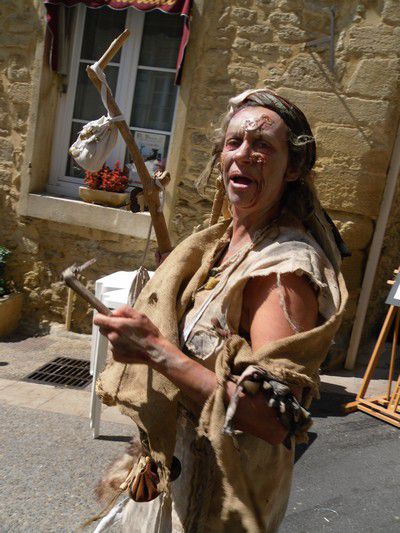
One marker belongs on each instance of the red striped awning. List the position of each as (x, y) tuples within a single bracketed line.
[(181, 7)]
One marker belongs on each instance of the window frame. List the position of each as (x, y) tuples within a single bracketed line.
[(60, 184)]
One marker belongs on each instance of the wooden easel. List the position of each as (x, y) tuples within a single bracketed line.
[(385, 407)]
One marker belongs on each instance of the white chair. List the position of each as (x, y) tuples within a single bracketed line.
[(112, 282), (113, 291)]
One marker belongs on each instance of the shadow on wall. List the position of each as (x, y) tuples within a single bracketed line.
[(219, 82), (335, 89)]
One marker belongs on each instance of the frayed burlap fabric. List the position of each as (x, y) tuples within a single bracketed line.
[(252, 470)]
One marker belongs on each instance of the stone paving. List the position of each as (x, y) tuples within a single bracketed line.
[(54, 400), (50, 462), (21, 355)]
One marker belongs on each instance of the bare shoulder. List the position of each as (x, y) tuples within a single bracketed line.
[(267, 306), (297, 288)]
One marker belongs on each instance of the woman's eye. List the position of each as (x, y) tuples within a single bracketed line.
[(263, 145), (232, 143)]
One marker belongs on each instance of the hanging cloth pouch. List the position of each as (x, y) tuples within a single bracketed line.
[(97, 138), (94, 143)]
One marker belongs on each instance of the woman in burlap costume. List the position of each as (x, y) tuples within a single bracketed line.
[(229, 334)]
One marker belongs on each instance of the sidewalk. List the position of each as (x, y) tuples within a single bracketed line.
[(20, 356), (55, 400)]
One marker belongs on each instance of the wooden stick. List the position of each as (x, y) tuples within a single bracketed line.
[(113, 49), (350, 407), (72, 282), (68, 314), (394, 351), (382, 415), (150, 190), (395, 399), (377, 351), (386, 406)]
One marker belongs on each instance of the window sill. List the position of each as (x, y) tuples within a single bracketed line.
[(78, 213)]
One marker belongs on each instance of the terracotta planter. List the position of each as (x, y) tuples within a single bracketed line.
[(10, 313), (110, 199)]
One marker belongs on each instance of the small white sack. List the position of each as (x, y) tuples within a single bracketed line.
[(97, 138), (94, 143)]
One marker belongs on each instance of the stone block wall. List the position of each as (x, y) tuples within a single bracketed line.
[(42, 249), (234, 46), (353, 110)]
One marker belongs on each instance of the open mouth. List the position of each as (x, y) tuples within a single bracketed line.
[(241, 181)]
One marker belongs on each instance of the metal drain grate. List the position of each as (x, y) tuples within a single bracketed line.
[(63, 371)]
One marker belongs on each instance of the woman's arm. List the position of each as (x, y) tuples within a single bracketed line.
[(135, 339), (195, 381), (263, 314)]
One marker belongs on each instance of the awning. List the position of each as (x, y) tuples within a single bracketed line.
[(181, 7)]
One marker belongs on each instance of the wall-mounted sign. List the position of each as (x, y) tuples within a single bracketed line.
[(152, 149)]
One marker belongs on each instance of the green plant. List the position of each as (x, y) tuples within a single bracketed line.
[(105, 179), (4, 285)]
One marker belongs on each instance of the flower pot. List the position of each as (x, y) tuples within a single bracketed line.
[(97, 196), (10, 313)]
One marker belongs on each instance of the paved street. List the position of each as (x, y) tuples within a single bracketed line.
[(49, 462), (346, 480), (49, 467)]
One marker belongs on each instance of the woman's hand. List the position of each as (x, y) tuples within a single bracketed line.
[(133, 336)]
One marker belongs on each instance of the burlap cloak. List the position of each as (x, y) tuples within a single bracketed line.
[(151, 400)]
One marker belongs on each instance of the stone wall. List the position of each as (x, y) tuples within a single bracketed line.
[(353, 111), (41, 249)]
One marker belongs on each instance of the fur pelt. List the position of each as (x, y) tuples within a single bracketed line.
[(116, 473)]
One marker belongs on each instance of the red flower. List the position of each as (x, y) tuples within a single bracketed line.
[(105, 179)]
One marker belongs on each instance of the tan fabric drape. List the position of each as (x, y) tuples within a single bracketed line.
[(151, 400)]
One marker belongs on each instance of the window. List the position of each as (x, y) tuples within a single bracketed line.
[(141, 77)]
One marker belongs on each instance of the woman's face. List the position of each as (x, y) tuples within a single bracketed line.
[(254, 160)]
